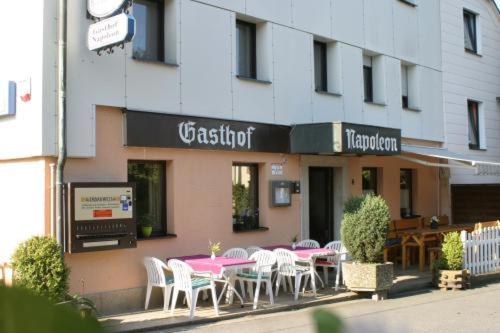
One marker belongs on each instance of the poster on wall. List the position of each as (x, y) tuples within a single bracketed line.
[(98, 203)]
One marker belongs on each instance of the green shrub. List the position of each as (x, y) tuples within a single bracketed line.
[(364, 228), (40, 268), (452, 251)]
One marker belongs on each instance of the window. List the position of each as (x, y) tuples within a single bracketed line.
[(148, 43), (246, 49), (368, 78), (149, 177), (473, 112), (245, 197), (405, 185), (320, 74), (369, 179), (404, 86), (470, 31)]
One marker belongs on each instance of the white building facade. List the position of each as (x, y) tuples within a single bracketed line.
[(231, 70), (471, 90)]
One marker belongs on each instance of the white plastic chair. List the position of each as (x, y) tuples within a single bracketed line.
[(261, 272), (287, 267), (333, 261), (237, 253), (310, 243), (252, 249), (186, 281), (156, 278)]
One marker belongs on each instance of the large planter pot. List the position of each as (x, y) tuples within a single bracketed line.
[(374, 278), (453, 280)]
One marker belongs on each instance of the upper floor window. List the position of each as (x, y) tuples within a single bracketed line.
[(369, 180), (320, 66), (246, 49), (245, 196), (404, 86), (473, 113), (470, 31), (148, 43), (149, 177), (368, 78)]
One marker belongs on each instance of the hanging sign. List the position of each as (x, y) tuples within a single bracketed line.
[(105, 8), (7, 98), (110, 32)]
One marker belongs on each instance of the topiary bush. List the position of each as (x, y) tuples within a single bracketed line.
[(452, 251), (364, 228), (40, 268)]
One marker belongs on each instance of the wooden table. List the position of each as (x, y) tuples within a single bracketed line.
[(420, 236)]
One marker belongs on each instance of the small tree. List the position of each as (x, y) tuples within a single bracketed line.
[(452, 251), (364, 228), (40, 268)]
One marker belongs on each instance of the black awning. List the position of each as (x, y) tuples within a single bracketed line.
[(344, 138)]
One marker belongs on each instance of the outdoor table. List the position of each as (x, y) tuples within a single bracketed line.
[(307, 255), (420, 236), (222, 268)]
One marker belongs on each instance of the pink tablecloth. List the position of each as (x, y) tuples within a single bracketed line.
[(203, 263), (302, 252)]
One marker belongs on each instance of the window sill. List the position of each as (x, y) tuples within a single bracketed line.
[(328, 93), (251, 79), (259, 229), (375, 103), (409, 3), (412, 109), (156, 62), (473, 147), (166, 236), (472, 52)]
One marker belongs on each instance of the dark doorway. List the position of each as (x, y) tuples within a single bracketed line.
[(321, 226)]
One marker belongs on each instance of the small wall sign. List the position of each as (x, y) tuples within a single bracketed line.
[(111, 32), (281, 193), (277, 169), (105, 8), (7, 98)]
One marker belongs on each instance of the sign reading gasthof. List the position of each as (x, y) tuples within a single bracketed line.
[(92, 203), (107, 33), (104, 8)]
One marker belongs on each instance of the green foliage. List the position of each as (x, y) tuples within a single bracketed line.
[(327, 322), (439, 264), (147, 220), (40, 268), (364, 228), (241, 199), (21, 311), (452, 250)]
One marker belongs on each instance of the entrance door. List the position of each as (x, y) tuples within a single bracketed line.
[(321, 204)]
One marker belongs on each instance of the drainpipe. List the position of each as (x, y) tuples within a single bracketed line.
[(52, 200), (61, 118)]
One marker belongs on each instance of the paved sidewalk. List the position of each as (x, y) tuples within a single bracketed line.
[(475, 310)]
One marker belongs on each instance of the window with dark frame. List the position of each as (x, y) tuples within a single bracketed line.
[(404, 86), (473, 113), (406, 192), (368, 78), (470, 31), (369, 180), (320, 66), (150, 179), (148, 43), (246, 49), (245, 196)]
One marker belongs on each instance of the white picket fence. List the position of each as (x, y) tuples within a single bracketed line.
[(482, 250)]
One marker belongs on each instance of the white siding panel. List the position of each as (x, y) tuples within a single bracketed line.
[(411, 125), (393, 81), (375, 115), (206, 60), (233, 5), (406, 31), (327, 108), (253, 101), (432, 104), (313, 16), (347, 21), (429, 38), (352, 62), (378, 25), (277, 11)]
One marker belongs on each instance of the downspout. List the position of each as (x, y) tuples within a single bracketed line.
[(61, 118), (52, 200)]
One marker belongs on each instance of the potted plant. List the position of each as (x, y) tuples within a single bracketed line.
[(447, 270), (213, 248), (83, 305), (364, 232), (146, 223), (434, 222), (294, 241)]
